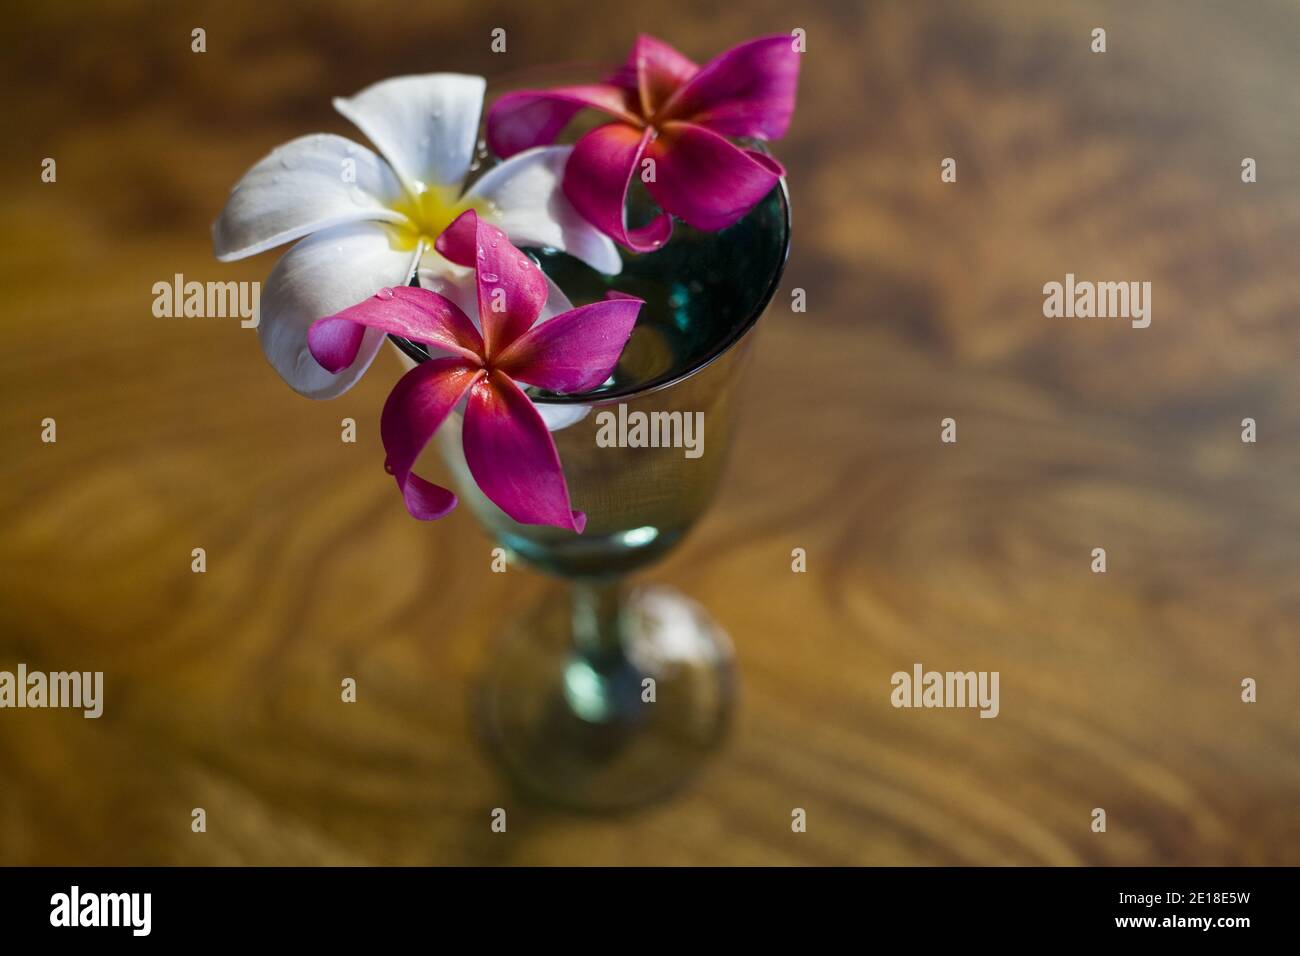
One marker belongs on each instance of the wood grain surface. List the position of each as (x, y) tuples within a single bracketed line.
[(1119, 691)]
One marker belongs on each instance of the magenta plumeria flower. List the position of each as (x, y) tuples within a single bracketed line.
[(679, 114), (508, 447)]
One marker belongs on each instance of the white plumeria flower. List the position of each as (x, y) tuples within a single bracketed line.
[(370, 224)]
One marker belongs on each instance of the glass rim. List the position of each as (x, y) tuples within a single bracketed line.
[(412, 351)]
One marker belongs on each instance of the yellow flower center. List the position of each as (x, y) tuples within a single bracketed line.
[(429, 212)]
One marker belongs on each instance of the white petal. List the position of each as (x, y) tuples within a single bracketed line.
[(558, 417), (556, 302), (309, 184), (531, 207), (425, 125), (454, 282), (458, 285), (324, 274)]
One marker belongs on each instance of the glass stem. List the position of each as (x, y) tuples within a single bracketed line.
[(597, 612)]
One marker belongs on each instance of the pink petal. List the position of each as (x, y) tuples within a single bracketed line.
[(426, 501), (412, 313), (747, 91), (418, 404), (511, 455), (459, 241), (511, 287), (528, 118), (576, 350), (596, 181), (655, 71), (705, 180)]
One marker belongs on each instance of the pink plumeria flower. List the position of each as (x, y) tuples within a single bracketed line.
[(371, 222), (508, 446), (676, 113)]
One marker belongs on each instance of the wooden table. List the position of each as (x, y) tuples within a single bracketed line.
[(1118, 690)]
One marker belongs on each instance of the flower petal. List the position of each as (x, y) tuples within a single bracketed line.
[(528, 118), (425, 125), (596, 180), (418, 404), (561, 416), (705, 180), (574, 351), (451, 282), (461, 287), (557, 303), (511, 288), (458, 243), (512, 456), (321, 275), (308, 184), (413, 313), (747, 91), (462, 290), (657, 71), (533, 210)]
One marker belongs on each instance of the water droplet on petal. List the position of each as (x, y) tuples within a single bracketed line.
[(491, 277), (384, 294), (482, 254), (275, 180), (352, 149), (357, 195)]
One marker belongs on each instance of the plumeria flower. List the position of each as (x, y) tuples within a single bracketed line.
[(507, 445), (675, 113), (371, 222)]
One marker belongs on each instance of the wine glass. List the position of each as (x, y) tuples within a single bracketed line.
[(608, 696)]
